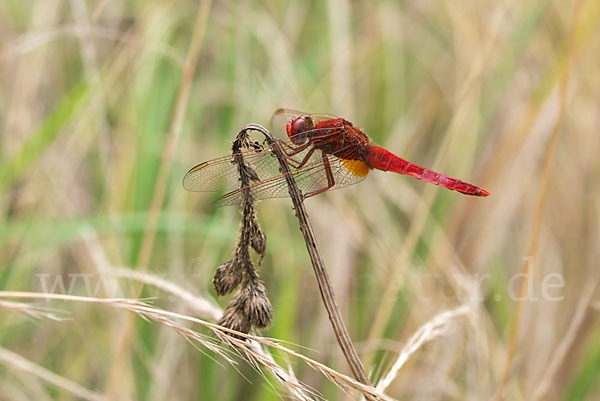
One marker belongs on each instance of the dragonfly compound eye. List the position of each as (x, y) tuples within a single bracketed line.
[(297, 128)]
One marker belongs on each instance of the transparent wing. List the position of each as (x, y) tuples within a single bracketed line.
[(311, 168), (222, 173), (310, 178)]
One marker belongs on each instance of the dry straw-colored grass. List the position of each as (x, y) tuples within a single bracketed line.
[(254, 349), (245, 345), (102, 113)]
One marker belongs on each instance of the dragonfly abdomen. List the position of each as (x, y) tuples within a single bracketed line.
[(385, 160)]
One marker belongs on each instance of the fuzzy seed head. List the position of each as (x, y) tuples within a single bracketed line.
[(259, 242), (226, 278), (256, 305), (234, 319)]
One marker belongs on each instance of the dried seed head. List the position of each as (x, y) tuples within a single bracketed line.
[(226, 278), (235, 319), (249, 307), (251, 173), (259, 242), (256, 305)]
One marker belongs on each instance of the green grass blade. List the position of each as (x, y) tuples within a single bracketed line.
[(15, 166)]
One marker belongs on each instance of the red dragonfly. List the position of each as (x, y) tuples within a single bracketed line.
[(323, 152)]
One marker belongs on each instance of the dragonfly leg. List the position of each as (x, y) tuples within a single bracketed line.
[(298, 164), (330, 179), (294, 149)]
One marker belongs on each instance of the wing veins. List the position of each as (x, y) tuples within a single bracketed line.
[(314, 169), (201, 177)]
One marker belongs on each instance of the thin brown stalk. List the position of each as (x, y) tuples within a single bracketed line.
[(325, 287), (538, 217)]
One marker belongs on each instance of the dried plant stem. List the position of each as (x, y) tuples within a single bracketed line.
[(202, 306), (30, 310), (439, 325), (325, 287), (538, 217)]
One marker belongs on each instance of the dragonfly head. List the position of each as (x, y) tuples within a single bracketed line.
[(297, 129)]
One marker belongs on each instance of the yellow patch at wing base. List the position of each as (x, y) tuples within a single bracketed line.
[(356, 167)]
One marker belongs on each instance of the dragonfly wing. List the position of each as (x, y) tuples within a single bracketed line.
[(222, 173), (211, 175), (275, 187), (310, 178)]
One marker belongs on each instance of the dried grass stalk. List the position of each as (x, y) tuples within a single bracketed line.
[(439, 325), (30, 310), (243, 343)]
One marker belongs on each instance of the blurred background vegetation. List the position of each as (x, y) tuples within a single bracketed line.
[(89, 121)]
